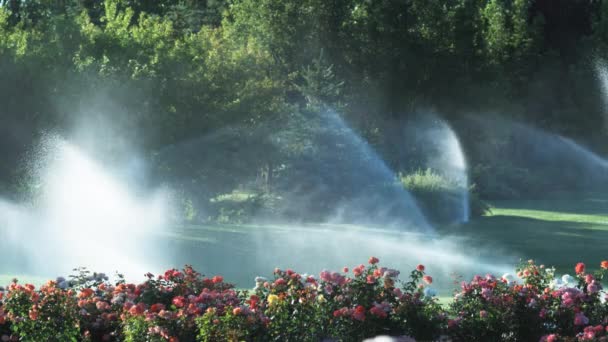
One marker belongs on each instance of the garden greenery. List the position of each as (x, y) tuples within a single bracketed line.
[(351, 305), (438, 194), (166, 72)]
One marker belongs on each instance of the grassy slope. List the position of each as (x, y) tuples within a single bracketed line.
[(559, 232), (556, 232)]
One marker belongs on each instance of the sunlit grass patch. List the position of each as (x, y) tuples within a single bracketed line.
[(556, 232)]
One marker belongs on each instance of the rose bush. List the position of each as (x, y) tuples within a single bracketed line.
[(540, 308), (352, 305)]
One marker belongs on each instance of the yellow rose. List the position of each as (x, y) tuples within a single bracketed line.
[(272, 299)]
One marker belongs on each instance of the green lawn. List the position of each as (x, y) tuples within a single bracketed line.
[(555, 232), (558, 232)]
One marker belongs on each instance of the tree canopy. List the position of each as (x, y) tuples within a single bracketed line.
[(171, 71)]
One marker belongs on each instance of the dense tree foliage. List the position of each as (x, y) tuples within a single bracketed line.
[(169, 72)]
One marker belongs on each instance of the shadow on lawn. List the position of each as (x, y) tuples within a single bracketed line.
[(558, 243), (560, 240), (594, 205)]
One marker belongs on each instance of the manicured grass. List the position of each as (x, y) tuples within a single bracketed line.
[(242, 252), (558, 232)]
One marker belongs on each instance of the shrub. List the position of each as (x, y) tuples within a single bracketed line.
[(241, 207), (295, 307), (504, 180), (183, 305), (441, 197), (373, 304), (5, 324), (540, 309), (167, 307), (428, 181), (240, 323), (49, 314)]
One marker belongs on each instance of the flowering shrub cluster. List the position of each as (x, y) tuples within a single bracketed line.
[(540, 308), (367, 301), (183, 305)]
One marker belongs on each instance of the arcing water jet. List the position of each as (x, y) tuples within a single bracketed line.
[(434, 151), (84, 215)]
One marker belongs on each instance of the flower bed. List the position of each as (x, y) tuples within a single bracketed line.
[(182, 305)]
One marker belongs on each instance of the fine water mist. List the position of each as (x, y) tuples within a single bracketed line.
[(380, 201), (538, 160), (332, 176), (436, 147), (83, 214), (601, 70), (338, 204), (242, 252)]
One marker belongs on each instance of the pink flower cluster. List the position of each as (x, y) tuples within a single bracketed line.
[(568, 309), (183, 305)]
